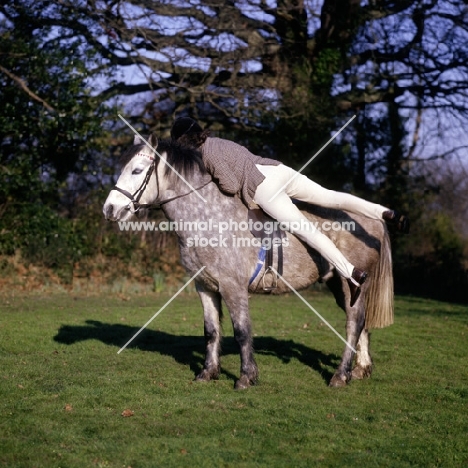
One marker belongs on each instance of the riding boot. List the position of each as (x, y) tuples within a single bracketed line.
[(355, 282), (397, 219)]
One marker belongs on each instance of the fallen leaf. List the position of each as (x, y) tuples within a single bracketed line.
[(68, 407), (127, 413)]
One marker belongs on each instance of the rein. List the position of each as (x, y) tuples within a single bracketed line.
[(167, 200), (135, 197)]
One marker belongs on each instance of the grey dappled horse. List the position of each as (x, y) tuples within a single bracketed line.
[(230, 265)]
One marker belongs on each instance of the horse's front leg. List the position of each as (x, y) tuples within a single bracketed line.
[(212, 312), (237, 301), (355, 318)]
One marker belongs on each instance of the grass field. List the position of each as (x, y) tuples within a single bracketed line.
[(69, 400)]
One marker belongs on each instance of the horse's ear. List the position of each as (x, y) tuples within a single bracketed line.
[(153, 141), (137, 140)]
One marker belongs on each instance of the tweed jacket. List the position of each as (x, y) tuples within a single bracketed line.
[(234, 167)]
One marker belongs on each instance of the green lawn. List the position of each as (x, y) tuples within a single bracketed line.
[(64, 388)]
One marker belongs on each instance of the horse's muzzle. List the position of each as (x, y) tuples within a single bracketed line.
[(109, 213)]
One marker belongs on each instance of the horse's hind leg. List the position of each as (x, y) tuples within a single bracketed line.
[(363, 367), (211, 302), (355, 318)]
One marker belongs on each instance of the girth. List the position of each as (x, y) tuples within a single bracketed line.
[(271, 238)]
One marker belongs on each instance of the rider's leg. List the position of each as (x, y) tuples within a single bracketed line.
[(302, 188), (279, 205), (283, 210)]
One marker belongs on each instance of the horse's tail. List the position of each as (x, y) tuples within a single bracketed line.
[(379, 296)]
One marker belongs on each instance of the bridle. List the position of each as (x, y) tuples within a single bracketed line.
[(135, 197)]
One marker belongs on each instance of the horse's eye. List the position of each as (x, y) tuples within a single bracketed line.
[(137, 171)]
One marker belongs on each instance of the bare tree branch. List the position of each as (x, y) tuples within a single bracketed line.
[(22, 85)]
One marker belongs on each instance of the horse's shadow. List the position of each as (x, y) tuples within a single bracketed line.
[(188, 350)]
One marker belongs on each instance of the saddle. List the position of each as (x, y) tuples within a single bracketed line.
[(272, 241)]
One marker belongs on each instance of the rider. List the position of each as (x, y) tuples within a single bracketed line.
[(271, 185)]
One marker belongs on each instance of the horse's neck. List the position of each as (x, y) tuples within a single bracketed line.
[(177, 185), (203, 201)]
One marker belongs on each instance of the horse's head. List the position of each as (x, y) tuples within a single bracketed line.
[(150, 178), (137, 186)]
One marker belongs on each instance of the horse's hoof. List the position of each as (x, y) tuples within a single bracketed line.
[(243, 383), (338, 381), (202, 378), (360, 373), (205, 376)]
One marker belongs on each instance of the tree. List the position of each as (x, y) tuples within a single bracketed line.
[(50, 122), (51, 127), (254, 64), (407, 72)]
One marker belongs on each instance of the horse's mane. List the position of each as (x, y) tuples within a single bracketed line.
[(185, 160)]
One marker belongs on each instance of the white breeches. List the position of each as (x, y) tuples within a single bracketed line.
[(292, 184)]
